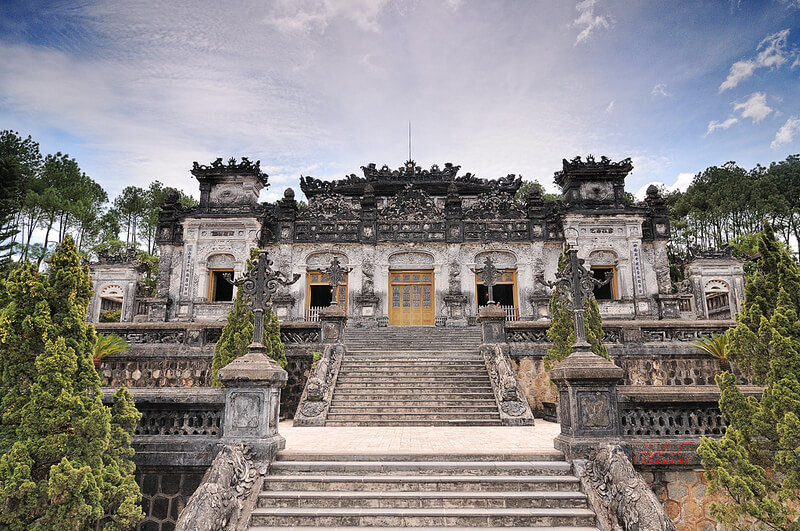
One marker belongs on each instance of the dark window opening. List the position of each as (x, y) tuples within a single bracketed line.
[(222, 290), (503, 294), (110, 304), (321, 296), (605, 292)]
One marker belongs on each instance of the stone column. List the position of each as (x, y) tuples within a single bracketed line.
[(493, 324), (512, 405), (333, 319), (252, 403), (587, 398)]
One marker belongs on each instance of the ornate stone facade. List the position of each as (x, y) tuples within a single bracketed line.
[(430, 221)]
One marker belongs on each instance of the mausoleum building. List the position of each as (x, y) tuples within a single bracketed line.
[(414, 243)]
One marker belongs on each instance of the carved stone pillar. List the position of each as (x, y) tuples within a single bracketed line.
[(252, 402), (512, 405), (587, 400), (282, 305), (333, 319), (493, 324)]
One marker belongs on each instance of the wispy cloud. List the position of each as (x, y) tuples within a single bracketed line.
[(660, 90), (785, 134), (713, 125), (296, 16), (755, 107), (609, 108), (589, 21), (772, 53)]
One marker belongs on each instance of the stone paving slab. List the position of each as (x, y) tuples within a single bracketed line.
[(458, 440), (302, 528)]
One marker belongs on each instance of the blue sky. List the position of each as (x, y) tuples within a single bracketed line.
[(136, 91)]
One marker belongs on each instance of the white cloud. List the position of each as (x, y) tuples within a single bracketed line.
[(682, 182), (772, 54), (306, 16), (755, 107), (610, 108), (660, 90), (588, 20), (713, 125), (785, 134)]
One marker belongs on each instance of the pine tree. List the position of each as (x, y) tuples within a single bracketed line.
[(238, 334), (562, 326), (24, 322), (756, 462), (70, 460), (272, 339), (236, 337)]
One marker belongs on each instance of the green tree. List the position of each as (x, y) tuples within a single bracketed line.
[(562, 326), (20, 163), (236, 337), (66, 458), (108, 344), (131, 207), (238, 334), (756, 463)]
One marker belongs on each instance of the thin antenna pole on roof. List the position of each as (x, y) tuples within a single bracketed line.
[(409, 140)]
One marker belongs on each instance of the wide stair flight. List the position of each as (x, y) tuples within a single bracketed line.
[(413, 376), (421, 490)]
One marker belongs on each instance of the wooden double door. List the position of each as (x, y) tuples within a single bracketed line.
[(412, 301)]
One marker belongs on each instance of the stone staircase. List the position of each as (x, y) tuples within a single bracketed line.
[(413, 376), (421, 490)]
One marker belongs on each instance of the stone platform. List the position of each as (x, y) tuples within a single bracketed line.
[(422, 439)]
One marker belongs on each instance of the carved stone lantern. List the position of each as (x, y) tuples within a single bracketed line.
[(587, 383)]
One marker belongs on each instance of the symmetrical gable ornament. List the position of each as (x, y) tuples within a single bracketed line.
[(216, 168), (411, 204), (387, 182), (494, 205), (592, 184), (328, 206)]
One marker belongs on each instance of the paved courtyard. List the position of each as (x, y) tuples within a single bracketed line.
[(422, 439)]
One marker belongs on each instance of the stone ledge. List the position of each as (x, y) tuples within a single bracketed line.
[(637, 394), (171, 395)]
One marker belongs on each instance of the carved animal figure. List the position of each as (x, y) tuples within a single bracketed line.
[(217, 502)]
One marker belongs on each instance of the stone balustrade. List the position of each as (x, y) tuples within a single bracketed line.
[(663, 425), (621, 332)]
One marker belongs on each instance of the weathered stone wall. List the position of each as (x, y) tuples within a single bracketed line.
[(139, 368), (683, 495), (535, 384), (164, 494)]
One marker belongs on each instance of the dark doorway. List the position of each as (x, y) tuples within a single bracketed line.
[(221, 289), (606, 292), (321, 296), (503, 294)]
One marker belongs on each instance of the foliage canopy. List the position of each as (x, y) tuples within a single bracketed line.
[(756, 462)]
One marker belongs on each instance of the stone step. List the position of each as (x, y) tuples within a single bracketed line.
[(546, 455), (453, 528), (369, 422), (394, 353), (414, 483), (367, 409), (410, 366), (549, 499), (385, 394), (384, 387), (438, 468), (392, 364), (404, 380), (421, 517), (457, 416)]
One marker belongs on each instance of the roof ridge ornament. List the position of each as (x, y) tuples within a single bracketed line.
[(218, 168)]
